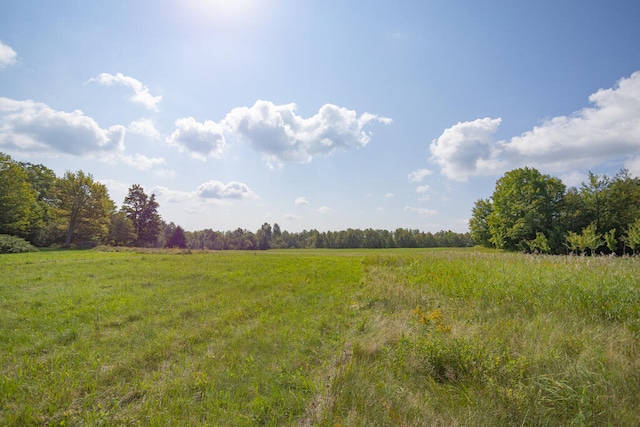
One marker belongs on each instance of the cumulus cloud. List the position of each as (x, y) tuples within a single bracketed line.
[(301, 201), (141, 92), (607, 131), (323, 210), (284, 136), (419, 175), (34, 126), (423, 189), (144, 127), (201, 140), (8, 56), (220, 190), (467, 148), (279, 133)]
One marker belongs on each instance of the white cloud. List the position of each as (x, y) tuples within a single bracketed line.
[(301, 201), (634, 166), (420, 211), (142, 162), (323, 210), (144, 127), (418, 175), (389, 196), (423, 189), (283, 136), (8, 56), (467, 148), (277, 132), (34, 126), (141, 92), (609, 131), (574, 178), (220, 190), (201, 140)]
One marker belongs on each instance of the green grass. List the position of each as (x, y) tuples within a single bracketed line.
[(318, 338)]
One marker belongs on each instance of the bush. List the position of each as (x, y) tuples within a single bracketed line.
[(14, 245)]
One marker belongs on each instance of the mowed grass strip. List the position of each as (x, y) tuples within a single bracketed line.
[(391, 337), (229, 338)]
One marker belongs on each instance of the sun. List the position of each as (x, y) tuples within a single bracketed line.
[(225, 12)]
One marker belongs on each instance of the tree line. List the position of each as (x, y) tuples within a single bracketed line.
[(533, 212), (75, 210), (268, 237)]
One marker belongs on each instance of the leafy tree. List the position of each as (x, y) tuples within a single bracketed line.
[(84, 206), (142, 210), (263, 236), (121, 230), (479, 224), (588, 239), (594, 194), (178, 239), (610, 240), (633, 236), (19, 209), (539, 244), (524, 202), (43, 181)]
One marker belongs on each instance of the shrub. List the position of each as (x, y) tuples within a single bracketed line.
[(14, 245)]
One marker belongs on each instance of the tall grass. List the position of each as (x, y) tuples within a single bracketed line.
[(403, 337), (526, 341)]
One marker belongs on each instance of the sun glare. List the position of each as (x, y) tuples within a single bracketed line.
[(224, 12)]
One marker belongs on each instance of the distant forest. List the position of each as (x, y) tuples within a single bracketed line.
[(76, 211)]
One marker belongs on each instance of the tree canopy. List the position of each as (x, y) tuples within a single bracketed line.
[(533, 212)]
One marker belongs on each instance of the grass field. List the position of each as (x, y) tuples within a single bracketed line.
[(351, 338)]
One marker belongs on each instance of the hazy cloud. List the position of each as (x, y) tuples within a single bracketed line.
[(420, 211), (34, 126), (607, 131), (201, 140), (220, 190), (633, 165), (301, 201), (142, 162), (8, 56), (423, 189), (418, 175), (145, 127), (323, 210), (141, 92), (389, 196)]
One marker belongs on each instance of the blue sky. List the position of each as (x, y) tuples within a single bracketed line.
[(320, 114)]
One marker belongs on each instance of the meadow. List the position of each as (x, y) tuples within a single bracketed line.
[(445, 337)]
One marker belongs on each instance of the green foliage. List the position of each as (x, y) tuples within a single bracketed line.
[(526, 203), (19, 209), (14, 245), (633, 236), (479, 222), (588, 239), (84, 207), (142, 211)]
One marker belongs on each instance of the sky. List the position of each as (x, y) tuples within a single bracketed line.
[(324, 115)]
